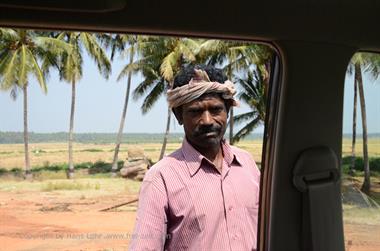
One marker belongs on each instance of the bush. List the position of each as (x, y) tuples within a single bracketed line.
[(3, 171), (16, 170), (84, 165), (60, 167), (374, 163), (54, 168), (92, 150), (100, 167)]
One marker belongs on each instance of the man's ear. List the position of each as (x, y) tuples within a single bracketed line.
[(178, 114), (228, 105)]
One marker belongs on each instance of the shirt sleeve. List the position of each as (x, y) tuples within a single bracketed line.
[(150, 227)]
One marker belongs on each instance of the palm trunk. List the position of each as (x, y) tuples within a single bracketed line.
[(367, 183), (266, 79), (166, 134), (231, 125), (70, 174), (231, 111), (28, 173), (353, 153), (121, 126)]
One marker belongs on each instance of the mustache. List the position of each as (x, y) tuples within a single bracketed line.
[(207, 129)]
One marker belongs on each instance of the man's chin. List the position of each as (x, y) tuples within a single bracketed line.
[(209, 141)]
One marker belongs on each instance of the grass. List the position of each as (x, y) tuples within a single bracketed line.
[(49, 160), (80, 187), (56, 153), (358, 215), (373, 147), (12, 155), (69, 185), (375, 185)]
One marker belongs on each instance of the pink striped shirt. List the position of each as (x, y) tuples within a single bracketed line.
[(186, 204)]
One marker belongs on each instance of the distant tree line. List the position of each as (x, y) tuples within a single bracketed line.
[(89, 138), (109, 138), (97, 138)]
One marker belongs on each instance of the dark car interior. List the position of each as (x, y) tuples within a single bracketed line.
[(300, 201)]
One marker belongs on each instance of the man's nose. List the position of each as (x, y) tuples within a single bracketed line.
[(206, 118)]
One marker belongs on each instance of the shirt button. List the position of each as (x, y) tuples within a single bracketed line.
[(230, 208)]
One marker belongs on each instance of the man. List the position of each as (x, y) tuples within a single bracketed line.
[(205, 195)]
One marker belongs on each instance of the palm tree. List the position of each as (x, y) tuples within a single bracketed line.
[(236, 56), (161, 59), (127, 45), (353, 152), (21, 51), (370, 64), (350, 71), (71, 71), (254, 95)]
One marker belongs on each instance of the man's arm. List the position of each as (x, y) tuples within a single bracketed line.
[(150, 227)]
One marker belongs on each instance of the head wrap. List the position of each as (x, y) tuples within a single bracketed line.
[(197, 86)]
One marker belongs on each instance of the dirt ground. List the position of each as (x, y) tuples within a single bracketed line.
[(362, 237), (42, 221), (37, 221)]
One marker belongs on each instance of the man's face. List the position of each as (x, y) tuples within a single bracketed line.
[(204, 121)]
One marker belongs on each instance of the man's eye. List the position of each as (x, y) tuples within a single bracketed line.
[(216, 110), (194, 111)]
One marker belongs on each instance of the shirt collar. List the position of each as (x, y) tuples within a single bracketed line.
[(194, 159)]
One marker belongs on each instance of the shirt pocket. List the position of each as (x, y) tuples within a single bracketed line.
[(247, 193)]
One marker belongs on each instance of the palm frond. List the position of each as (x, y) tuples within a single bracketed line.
[(14, 92), (72, 66), (142, 88), (211, 46), (166, 67), (140, 65), (247, 129), (9, 67), (49, 60), (373, 67), (23, 65), (192, 44), (153, 96), (128, 51), (54, 45), (96, 52), (350, 69), (9, 34), (240, 118), (36, 70)]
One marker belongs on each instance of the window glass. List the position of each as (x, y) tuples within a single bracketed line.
[(361, 153), (84, 116)]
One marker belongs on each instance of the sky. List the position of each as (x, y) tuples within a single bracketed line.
[(99, 105)]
